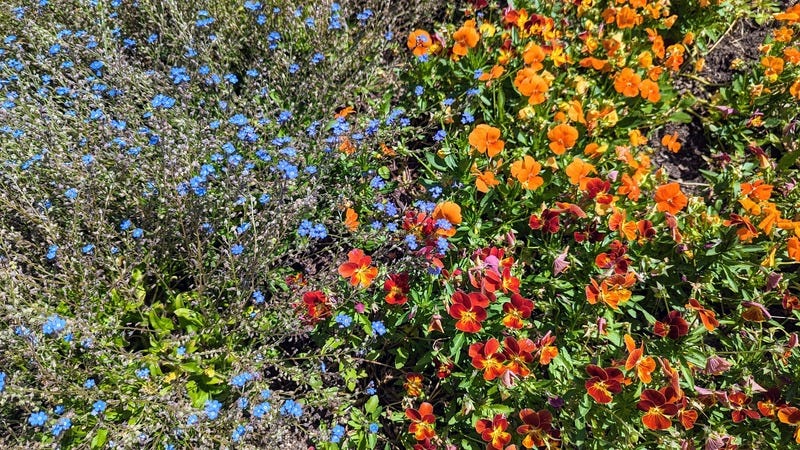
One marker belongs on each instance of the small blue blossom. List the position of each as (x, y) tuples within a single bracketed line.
[(180, 351), (291, 408), (439, 136), (343, 320), (71, 193), (98, 407), (192, 419), (89, 383), (61, 426), (143, 373), (137, 233), (51, 251), (373, 428), (411, 241), (337, 433), (212, 408), (54, 325), (87, 249), (237, 249), (37, 419), (238, 433), (379, 328), (261, 409), (2, 381), (241, 379), (242, 403), (418, 90)]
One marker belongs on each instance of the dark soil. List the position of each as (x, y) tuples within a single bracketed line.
[(684, 165), (742, 43)]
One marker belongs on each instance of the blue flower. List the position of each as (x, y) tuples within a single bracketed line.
[(343, 320), (435, 191), (373, 428), (237, 249), (98, 407), (379, 328), (439, 136), (180, 351), (337, 433), (377, 182), (265, 394), (238, 433), (442, 245), (261, 409), (87, 249), (242, 402), (61, 426), (418, 90), (241, 379), (2, 381), (125, 224), (51, 251), (37, 419), (54, 325), (467, 117), (143, 373), (58, 410), (212, 408), (89, 383), (192, 419), (71, 193), (411, 241), (291, 408)]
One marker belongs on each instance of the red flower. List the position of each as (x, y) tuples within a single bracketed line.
[(537, 428), (317, 307), (518, 355), (469, 311), (396, 288), (494, 432), (413, 384), (422, 422), (674, 327), (738, 402), (358, 268), (604, 383), (486, 357), (658, 408), (515, 310)]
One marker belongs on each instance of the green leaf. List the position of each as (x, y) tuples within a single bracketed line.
[(372, 404), (400, 358), (680, 117), (99, 439)]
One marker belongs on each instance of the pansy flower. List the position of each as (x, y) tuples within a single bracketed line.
[(488, 358), (494, 432), (358, 268), (468, 310), (422, 421), (603, 383), (658, 408), (537, 428), (396, 288)]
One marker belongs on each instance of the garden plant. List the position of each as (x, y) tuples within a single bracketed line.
[(418, 224)]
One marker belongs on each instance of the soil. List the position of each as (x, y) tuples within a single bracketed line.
[(741, 42)]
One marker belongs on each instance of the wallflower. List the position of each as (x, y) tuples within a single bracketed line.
[(422, 422), (562, 138), (358, 269), (526, 171), (669, 198), (486, 139)]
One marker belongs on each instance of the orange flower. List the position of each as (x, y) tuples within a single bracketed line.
[(537, 428), (578, 172), (420, 42), (670, 198), (531, 85), (630, 187), (793, 248), (671, 142), (791, 416), (707, 316), (658, 408), (773, 66), (358, 268), (518, 355), (603, 383), (746, 230), (351, 219), (466, 37), (486, 139), (515, 310), (649, 91), (645, 365), (487, 357), (413, 384), (468, 310), (496, 72), (396, 287), (794, 89), (627, 18), (526, 171), (422, 422), (562, 138), (494, 432), (627, 82), (346, 146), (595, 63), (485, 180), (533, 56), (637, 138), (757, 190), (449, 211)]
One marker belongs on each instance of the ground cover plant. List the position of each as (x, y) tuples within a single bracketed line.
[(371, 225)]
